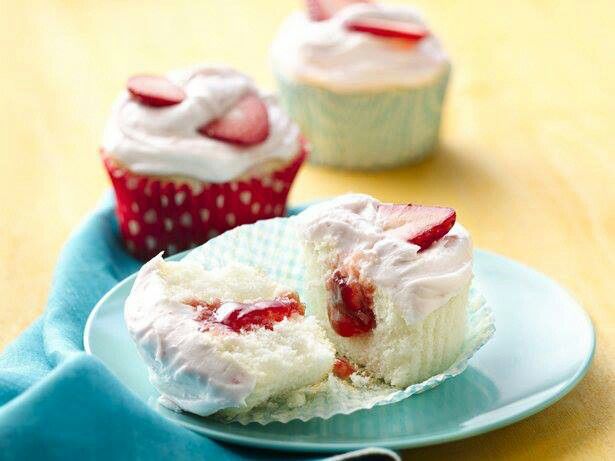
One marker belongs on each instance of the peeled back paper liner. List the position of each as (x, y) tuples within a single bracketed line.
[(274, 247)]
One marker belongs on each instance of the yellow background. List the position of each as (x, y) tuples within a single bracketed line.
[(527, 155)]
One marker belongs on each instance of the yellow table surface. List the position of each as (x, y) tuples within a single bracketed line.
[(527, 155)]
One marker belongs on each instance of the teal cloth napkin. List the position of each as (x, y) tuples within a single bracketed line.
[(57, 402)]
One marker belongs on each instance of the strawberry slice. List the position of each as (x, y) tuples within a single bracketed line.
[(245, 124), (342, 368), (389, 28), (418, 224), (154, 91), (321, 10)]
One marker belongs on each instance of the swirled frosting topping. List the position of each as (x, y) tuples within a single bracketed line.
[(330, 54), (166, 140)]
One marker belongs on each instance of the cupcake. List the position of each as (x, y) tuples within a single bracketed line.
[(364, 81), (351, 304), (389, 284), (224, 340), (195, 153)]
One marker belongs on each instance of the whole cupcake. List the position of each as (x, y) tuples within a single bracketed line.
[(195, 153), (364, 81)]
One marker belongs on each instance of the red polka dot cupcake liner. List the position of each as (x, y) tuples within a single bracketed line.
[(157, 214)]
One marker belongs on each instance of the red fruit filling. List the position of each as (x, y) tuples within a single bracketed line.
[(417, 224), (247, 316), (247, 123), (321, 10), (350, 306), (389, 28), (154, 91), (342, 368)]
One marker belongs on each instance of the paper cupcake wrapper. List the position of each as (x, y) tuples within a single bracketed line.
[(367, 130), (274, 247), (157, 214)]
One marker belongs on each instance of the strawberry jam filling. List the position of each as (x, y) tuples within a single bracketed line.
[(350, 306), (246, 316)]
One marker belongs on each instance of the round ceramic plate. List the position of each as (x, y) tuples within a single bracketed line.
[(543, 345)]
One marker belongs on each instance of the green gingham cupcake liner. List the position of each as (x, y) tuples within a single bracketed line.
[(367, 130), (274, 247)]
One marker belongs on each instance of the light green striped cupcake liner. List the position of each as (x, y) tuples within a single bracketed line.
[(367, 130), (274, 247)]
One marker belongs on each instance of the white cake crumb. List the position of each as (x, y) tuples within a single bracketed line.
[(296, 399), (359, 380)]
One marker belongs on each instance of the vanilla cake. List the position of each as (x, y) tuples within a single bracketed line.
[(226, 339), (389, 283)]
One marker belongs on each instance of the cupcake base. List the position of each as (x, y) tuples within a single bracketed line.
[(159, 214), (367, 130)]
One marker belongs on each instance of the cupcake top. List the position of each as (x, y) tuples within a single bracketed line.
[(209, 123), (413, 253), (360, 47)]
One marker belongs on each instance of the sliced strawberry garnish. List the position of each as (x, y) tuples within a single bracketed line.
[(245, 316), (321, 10), (154, 91), (342, 368), (388, 28), (245, 124), (350, 307), (417, 224)]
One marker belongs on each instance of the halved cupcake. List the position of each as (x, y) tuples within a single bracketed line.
[(389, 283), (195, 153), (226, 339)]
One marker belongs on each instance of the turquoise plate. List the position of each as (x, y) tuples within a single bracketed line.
[(543, 346)]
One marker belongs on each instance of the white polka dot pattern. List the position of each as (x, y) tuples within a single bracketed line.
[(174, 215), (186, 219), (133, 227), (179, 198), (150, 216)]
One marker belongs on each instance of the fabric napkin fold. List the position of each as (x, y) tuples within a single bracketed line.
[(57, 402)]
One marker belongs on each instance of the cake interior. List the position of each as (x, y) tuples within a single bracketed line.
[(399, 353), (293, 353)]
